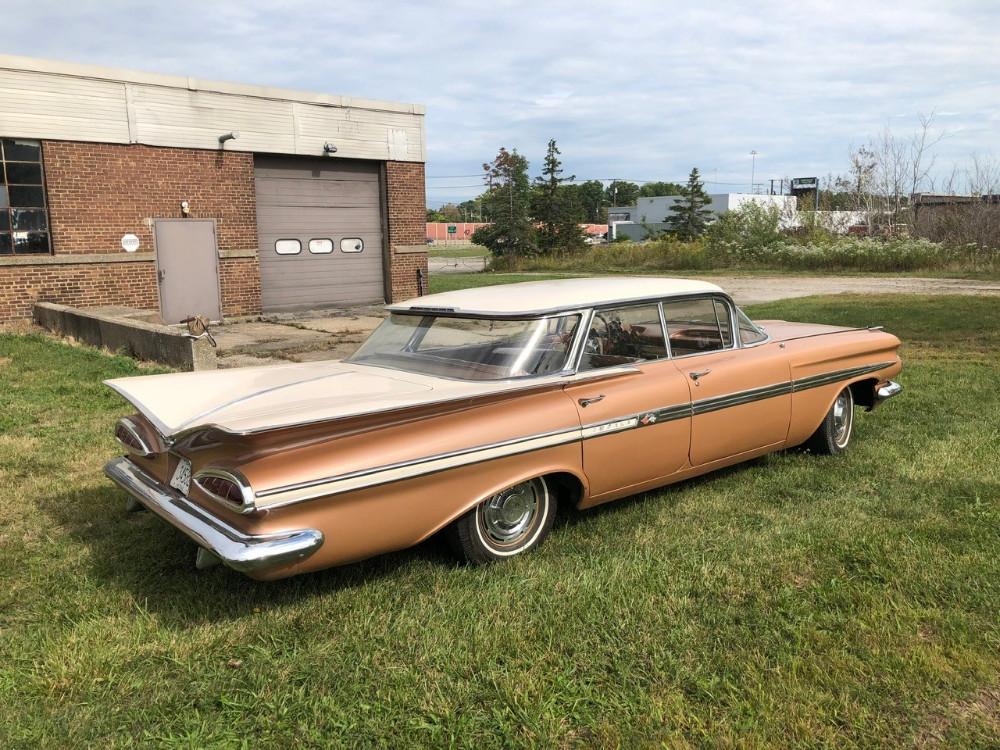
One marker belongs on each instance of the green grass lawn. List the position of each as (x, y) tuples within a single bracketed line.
[(457, 251), (793, 601)]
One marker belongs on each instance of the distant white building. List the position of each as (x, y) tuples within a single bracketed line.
[(648, 216)]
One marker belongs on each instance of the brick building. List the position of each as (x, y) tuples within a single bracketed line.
[(187, 196)]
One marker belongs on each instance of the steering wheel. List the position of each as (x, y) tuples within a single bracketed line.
[(595, 341)]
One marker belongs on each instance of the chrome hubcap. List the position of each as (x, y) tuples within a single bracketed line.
[(843, 415), (508, 515)]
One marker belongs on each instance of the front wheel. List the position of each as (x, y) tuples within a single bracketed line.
[(510, 522), (834, 433)]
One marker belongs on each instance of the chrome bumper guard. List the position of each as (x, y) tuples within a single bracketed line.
[(887, 391), (240, 551)]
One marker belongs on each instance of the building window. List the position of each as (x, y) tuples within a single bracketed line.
[(352, 245), (24, 219), (320, 246), (287, 247)]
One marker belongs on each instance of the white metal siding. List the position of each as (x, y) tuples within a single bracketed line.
[(305, 199), (58, 101)]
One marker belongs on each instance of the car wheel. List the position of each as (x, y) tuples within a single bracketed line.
[(510, 522), (834, 434)]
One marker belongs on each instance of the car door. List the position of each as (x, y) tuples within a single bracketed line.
[(636, 427), (740, 392)]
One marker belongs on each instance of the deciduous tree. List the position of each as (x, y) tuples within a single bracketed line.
[(506, 201)]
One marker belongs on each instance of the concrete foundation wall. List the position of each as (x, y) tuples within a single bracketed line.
[(146, 341)]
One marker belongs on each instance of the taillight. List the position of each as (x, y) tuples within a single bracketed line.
[(226, 487), (127, 433)]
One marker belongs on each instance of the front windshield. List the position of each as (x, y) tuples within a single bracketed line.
[(470, 348)]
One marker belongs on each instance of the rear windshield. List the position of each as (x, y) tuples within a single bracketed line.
[(471, 348)]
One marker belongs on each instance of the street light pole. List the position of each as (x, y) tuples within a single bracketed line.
[(753, 168)]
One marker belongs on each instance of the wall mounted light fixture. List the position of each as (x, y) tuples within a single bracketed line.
[(229, 137), (185, 208), (329, 148)]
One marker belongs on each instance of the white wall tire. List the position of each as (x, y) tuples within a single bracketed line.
[(834, 433), (511, 522)]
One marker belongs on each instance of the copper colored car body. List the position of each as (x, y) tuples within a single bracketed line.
[(481, 411)]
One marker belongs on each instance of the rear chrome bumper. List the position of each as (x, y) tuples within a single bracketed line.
[(243, 552)]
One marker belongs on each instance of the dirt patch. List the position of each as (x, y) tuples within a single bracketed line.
[(978, 713)]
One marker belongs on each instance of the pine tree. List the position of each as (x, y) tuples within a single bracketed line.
[(556, 207), (507, 201), (688, 216)]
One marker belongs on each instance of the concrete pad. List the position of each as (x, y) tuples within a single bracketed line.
[(362, 324)]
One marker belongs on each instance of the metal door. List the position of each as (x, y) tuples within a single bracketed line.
[(319, 227), (187, 269)]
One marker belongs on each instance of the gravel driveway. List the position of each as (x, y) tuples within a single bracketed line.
[(747, 290), (334, 334)]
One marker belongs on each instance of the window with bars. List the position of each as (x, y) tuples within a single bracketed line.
[(24, 219)]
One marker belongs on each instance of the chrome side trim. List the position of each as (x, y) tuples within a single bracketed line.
[(815, 381), (388, 473), (363, 478), (240, 551), (739, 398)]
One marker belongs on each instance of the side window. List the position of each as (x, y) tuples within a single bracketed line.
[(749, 332), (623, 335), (697, 325)]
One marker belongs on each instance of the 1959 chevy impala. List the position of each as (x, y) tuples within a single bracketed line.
[(479, 412)]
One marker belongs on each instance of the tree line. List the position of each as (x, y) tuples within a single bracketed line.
[(587, 201), (543, 216)]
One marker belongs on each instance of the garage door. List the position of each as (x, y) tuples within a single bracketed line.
[(319, 225)]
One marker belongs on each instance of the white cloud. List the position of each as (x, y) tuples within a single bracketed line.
[(640, 90)]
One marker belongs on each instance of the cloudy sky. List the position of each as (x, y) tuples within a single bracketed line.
[(632, 90)]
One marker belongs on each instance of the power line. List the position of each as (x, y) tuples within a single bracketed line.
[(577, 181)]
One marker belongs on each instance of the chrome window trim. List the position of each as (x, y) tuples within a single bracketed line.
[(655, 301), (569, 367), (767, 337), (544, 312), (249, 499), (711, 296), (132, 429)]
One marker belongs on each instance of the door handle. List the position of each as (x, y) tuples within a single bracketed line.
[(698, 374), (585, 402)]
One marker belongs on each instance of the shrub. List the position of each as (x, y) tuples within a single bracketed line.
[(750, 229)]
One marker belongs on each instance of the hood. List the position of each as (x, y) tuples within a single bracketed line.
[(255, 399)]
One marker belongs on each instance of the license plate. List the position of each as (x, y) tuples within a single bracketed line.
[(181, 480)]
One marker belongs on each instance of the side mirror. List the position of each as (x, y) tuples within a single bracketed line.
[(197, 326)]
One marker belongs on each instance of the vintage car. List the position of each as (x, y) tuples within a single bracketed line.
[(479, 413)]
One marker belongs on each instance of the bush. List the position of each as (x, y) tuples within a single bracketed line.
[(828, 254), (752, 228), (664, 254)]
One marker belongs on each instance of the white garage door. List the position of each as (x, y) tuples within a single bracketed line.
[(319, 225)]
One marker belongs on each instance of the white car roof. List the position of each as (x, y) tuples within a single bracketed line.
[(537, 297)]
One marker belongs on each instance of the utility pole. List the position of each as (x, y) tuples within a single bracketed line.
[(753, 168)]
